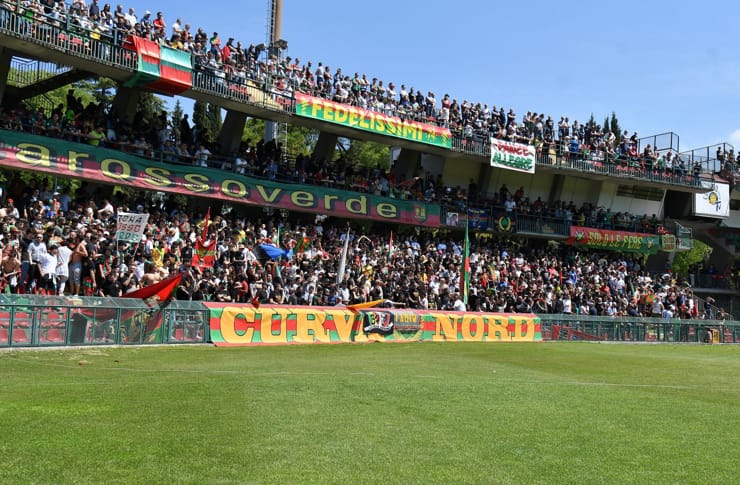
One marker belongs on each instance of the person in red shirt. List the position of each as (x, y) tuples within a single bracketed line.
[(159, 24)]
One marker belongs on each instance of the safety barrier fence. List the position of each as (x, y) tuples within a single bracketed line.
[(51, 321)]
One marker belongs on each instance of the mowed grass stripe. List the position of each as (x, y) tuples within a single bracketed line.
[(404, 413)]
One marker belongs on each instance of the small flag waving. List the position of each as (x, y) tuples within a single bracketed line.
[(465, 273), (390, 246)]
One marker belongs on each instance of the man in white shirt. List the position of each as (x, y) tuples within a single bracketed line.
[(47, 265), (458, 306), (62, 270)]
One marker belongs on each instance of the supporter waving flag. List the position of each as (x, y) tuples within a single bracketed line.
[(204, 253)]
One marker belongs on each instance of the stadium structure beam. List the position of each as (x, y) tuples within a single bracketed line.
[(5, 57), (231, 131)]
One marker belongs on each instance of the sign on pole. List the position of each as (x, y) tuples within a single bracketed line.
[(130, 227)]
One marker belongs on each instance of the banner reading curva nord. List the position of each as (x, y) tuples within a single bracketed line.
[(512, 156), (63, 158), (372, 121)]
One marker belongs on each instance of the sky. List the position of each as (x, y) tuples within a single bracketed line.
[(661, 66)]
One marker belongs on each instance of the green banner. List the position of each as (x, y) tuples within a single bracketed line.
[(77, 160), (371, 121), (631, 242)]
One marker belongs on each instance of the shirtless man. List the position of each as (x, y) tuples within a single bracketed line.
[(152, 275), (79, 252), (11, 270)]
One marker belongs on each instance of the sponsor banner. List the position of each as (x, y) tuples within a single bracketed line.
[(232, 325), (715, 202), (77, 160), (371, 121), (614, 240), (684, 243), (130, 226), (512, 156)]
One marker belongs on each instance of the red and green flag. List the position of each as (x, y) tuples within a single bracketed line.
[(204, 252)]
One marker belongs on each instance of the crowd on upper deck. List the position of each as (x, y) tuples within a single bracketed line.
[(473, 121)]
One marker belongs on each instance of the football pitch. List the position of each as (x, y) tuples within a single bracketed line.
[(372, 413)]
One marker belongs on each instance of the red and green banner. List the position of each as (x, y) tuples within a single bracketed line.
[(160, 68), (614, 240), (233, 325), (371, 121), (62, 158)]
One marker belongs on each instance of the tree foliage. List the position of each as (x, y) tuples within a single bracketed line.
[(367, 154), (614, 127), (175, 118), (683, 260)]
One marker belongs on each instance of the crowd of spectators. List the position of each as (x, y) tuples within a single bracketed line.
[(94, 125), (472, 121), (53, 243)]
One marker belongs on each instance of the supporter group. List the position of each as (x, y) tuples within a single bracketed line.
[(53, 243), (58, 241)]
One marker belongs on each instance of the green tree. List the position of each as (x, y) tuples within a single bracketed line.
[(150, 107), (366, 153), (683, 260), (214, 122), (200, 113), (605, 128), (614, 126), (176, 116)]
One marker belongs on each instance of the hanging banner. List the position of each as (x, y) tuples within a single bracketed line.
[(130, 226), (512, 156), (614, 240), (668, 243), (371, 121), (269, 325), (478, 219), (81, 161)]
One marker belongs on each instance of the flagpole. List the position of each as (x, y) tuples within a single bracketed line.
[(465, 283)]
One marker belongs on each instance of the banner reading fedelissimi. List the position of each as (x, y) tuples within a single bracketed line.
[(77, 160), (371, 121), (232, 324), (512, 156)]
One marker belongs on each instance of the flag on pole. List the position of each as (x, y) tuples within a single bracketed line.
[(465, 273), (343, 259), (390, 246), (204, 252)]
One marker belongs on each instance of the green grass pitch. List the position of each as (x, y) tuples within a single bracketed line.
[(374, 413)]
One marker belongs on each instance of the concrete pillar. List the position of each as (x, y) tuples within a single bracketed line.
[(231, 132), (484, 180), (125, 103), (5, 57), (406, 164), (556, 189), (325, 146)]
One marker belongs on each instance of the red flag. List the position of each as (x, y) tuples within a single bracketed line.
[(204, 255), (161, 291), (204, 252)]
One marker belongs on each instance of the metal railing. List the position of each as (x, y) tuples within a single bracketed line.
[(68, 35), (638, 329), (57, 321)]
